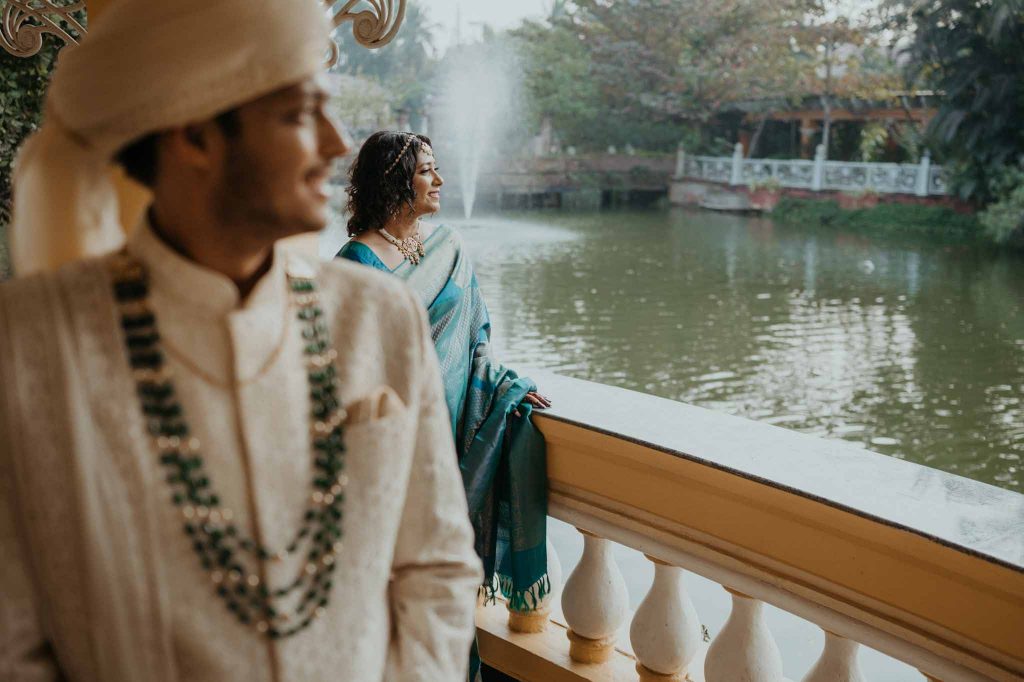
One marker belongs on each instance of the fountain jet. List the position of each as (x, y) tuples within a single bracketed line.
[(479, 111)]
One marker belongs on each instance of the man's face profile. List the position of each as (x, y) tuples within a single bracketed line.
[(276, 163)]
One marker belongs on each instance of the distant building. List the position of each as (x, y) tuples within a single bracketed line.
[(790, 130)]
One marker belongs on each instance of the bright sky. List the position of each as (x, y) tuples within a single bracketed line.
[(497, 13), (508, 13)]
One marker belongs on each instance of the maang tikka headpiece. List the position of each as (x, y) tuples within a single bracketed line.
[(398, 159)]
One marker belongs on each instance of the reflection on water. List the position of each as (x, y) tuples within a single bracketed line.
[(914, 350)]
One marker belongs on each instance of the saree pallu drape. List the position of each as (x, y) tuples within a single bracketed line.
[(502, 457)]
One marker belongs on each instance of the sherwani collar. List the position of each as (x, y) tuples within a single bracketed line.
[(201, 315), (200, 288)]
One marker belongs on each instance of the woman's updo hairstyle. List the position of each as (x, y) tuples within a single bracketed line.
[(380, 181)]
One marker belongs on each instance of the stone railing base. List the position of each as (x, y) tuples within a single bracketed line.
[(528, 621), (651, 676), (586, 650)]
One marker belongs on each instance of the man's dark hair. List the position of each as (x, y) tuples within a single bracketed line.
[(376, 193), (139, 158)]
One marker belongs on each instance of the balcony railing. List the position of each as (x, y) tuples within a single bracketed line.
[(924, 566), (921, 179)]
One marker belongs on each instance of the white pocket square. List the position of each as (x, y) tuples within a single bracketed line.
[(379, 403)]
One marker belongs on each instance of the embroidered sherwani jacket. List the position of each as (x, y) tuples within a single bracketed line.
[(99, 580)]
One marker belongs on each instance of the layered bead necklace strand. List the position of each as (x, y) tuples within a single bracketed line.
[(218, 543), (411, 247)]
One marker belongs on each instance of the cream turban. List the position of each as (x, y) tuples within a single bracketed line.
[(147, 65)]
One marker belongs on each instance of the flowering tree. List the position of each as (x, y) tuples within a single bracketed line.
[(686, 59)]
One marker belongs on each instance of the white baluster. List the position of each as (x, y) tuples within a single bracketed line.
[(818, 175), (923, 171), (838, 662), (744, 650), (665, 632), (736, 174), (680, 161), (537, 620), (594, 601)]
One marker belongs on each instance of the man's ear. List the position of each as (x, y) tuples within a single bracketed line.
[(196, 146)]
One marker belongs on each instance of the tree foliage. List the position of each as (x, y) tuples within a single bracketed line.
[(560, 86), (23, 84), (970, 51), (683, 60), (1003, 219), (404, 67), (841, 56), (361, 104), (657, 68)]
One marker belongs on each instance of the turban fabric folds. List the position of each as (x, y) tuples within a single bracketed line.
[(146, 66)]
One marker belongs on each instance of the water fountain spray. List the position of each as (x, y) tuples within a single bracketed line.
[(479, 110)]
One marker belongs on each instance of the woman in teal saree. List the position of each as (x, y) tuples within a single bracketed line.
[(394, 182)]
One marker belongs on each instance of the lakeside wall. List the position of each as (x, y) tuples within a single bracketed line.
[(691, 192)]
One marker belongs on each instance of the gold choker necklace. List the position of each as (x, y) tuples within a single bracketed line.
[(411, 248)]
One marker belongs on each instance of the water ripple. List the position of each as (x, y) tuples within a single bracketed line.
[(923, 358)]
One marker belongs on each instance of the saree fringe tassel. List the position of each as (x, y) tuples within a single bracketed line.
[(524, 600), (527, 599)]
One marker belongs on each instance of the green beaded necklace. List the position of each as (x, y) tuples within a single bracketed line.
[(221, 547)]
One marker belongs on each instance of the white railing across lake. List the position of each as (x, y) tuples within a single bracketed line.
[(921, 179), (924, 566)]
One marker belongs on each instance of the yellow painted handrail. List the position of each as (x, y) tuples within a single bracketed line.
[(952, 611)]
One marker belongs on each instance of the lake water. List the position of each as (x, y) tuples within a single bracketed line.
[(909, 348), (905, 346)]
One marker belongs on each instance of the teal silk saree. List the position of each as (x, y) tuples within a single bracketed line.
[(502, 457)]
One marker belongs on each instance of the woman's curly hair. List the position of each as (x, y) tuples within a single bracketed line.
[(373, 195)]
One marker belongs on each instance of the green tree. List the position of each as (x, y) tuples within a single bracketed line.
[(361, 104), (1003, 219), (561, 86), (970, 52), (840, 55), (671, 66), (683, 60), (558, 84), (405, 67)]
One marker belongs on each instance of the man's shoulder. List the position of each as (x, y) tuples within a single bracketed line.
[(351, 278), (44, 288)]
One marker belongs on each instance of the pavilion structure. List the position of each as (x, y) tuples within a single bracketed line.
[(797, 127)]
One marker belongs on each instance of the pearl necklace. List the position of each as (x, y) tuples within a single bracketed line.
[(220, 544), (411, 248)]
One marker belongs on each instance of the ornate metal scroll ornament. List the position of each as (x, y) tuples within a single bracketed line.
[(373, 26), (24, 22)]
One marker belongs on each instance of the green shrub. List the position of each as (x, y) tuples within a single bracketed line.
[(22, 88), (1003, 219), (884, 218), (873, 139), (807, 211), (768, 184)]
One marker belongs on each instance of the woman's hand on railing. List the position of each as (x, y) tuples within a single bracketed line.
[(537, 400)]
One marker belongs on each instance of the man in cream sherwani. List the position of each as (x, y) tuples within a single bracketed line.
[(218, 461)]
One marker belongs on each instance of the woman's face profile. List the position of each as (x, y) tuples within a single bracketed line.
[(426, 183)]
